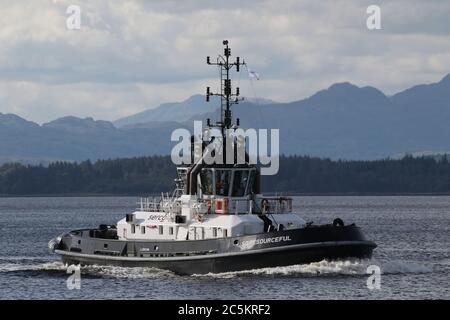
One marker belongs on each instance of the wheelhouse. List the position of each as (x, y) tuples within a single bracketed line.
[(227, 182)]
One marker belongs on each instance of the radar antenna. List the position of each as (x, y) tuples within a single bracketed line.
[(227, 97)]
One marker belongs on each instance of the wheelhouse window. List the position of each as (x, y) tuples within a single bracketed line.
[(240, 181), (206, 178), (170, 230), (161, 229), (133, 228), (214, 232), (143, 229), (251, 184), (222, 182)]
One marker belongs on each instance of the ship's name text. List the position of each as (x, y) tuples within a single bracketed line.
[(250, 243)]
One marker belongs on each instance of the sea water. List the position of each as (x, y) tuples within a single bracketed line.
[(413, 254)]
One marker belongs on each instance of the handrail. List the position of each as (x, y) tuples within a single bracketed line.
[(276, 205), (272, 205)]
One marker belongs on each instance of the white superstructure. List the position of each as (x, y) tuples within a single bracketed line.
[(217, 211)]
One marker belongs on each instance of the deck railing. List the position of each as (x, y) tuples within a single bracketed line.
[(267, 205), (154, 204)]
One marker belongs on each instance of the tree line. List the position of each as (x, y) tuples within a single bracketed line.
[(297, 174)]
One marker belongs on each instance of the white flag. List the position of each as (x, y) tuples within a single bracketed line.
[(253, 75)]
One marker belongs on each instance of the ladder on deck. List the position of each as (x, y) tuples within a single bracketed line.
[(180, 181)]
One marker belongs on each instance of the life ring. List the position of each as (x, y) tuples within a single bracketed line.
[(222, 206), (265, 205), (338, 222)]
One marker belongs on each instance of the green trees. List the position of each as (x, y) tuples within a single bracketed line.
[(314, 175), (298, 174), (120, 176)]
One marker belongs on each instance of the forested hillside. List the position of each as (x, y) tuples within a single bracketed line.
[(298, 174)]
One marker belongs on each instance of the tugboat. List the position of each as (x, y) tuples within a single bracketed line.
[(216, 220)]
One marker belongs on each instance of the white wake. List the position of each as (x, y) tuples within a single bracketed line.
[(330, 268), (323, 268)]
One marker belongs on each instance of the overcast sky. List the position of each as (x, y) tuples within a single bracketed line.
[(133, 55)]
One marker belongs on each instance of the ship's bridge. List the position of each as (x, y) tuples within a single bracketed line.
[(235, 190), (236, 182)]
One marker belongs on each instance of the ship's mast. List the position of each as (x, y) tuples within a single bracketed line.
[(227, 97)]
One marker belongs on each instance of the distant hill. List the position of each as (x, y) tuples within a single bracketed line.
[(180, 111), (72, 138), (343, 121), (350, 122), (175, 111)]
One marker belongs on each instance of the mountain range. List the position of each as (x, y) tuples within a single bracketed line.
[(342, 122), (180, 111)]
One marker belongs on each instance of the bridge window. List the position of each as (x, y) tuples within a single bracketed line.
[(222, 182), (239, 183), (206, 178), (143, 229), (171, 230), (161, 229), (251, 184), (214, 232), (133, 228)]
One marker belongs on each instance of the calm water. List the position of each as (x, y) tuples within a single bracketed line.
[(412, 233)]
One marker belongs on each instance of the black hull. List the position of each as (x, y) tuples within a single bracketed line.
[(272, 249), (280, 257)]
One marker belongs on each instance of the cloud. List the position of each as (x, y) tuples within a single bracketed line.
[(132, 55)]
